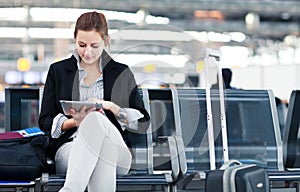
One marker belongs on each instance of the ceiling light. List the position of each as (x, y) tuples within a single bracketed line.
[(13, 14), (141, 16), (237, 36), (218, 37), (209, 14), (151, 35), (157, 20), (252, 20), (55, 14), (285, 16), (176, 61), (13, 32), (71, 15), (234, 56), (50, 33)]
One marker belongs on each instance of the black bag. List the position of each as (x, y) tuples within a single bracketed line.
[(237, 178), (23, 159)]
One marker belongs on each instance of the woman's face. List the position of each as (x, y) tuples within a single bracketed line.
[(89, 45)]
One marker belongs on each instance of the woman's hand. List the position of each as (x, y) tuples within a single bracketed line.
[(78, 116), (107, 105)]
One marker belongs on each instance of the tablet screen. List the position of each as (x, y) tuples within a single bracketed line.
[(77, 105)]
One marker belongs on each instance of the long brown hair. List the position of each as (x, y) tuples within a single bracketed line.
[(93, 21)]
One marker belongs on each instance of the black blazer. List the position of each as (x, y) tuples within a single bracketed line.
[(62, 83)]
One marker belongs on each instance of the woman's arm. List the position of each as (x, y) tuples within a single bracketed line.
[(48, 108)]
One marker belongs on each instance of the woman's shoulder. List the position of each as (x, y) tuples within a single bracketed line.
[(120, 65), (117, 66), (66, 62), (108, 61)]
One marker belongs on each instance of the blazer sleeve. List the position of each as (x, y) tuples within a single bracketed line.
[(121, 88), (136, 102), (49, 107)]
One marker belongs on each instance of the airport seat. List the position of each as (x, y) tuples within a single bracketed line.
[(253, 131), (291, 137), (289, 176), (291, 145), (155, 166), (282, 113)]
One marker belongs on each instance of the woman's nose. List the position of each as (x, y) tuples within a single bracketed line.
[(88, 50)]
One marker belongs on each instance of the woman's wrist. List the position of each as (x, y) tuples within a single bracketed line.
[(69, 123), (114, 108)]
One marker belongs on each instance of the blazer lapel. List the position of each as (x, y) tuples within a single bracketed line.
[(71, 80)]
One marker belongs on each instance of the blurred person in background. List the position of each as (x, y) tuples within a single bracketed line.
[(227, 77)]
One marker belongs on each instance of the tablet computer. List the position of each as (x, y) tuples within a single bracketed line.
[(77, 105)]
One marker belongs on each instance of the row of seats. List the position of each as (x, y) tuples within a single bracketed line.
[(253, 132), (173, 155), (155, 166)]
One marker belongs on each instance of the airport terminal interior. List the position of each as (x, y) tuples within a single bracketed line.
[(258, 40), (176, 50)]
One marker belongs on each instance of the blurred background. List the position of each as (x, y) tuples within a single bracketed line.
[(161, 40)]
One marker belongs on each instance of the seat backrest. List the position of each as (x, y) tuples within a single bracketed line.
[(192, 106), (21, 108), (141, 145), (163, 125), (256, 138), (152, 152), (252, 128), (291, 136)]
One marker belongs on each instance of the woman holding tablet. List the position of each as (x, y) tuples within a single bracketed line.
[(91, 147)]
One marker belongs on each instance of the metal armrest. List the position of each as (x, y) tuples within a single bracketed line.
[(186, 179), (181, 155), (172, 147), (174, 157)]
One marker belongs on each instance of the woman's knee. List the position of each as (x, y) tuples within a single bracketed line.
[(93, 116), (94, 121)]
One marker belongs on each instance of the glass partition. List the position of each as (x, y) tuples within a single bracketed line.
[(21, 107), (163, 125), (193, 114), (29, 113), (252, 132)]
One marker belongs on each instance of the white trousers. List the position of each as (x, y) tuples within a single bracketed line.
[(95, 156)]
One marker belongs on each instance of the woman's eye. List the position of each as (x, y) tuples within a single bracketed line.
[(81, 45), (96, 47)]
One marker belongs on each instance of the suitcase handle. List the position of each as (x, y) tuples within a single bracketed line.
[(230, 163)]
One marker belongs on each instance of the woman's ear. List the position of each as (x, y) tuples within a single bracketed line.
[(74, 41), (107, 43), (107, 40)]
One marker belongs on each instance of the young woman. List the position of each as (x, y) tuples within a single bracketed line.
[(91, 147)]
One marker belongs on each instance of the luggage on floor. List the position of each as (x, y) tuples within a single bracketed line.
[(236, 177), (22, 158)]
